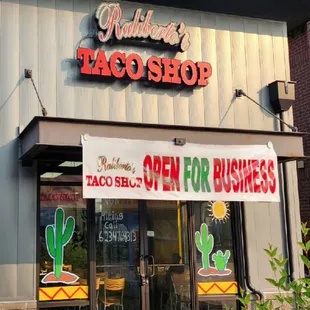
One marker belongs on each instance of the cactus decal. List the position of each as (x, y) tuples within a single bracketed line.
[(220, 260), (205, 243), (57, 236)]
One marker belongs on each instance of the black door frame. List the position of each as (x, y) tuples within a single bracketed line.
[(90, 207), (238, 252), (145, 291)]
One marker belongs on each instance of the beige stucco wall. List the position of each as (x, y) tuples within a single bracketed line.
[(42, 35)]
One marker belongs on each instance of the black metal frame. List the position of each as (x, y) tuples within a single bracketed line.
[(238, 246), (91, 233), (145, 292), (90, 250), (236, 226), (38, 245), (192, 254), (91, 253)]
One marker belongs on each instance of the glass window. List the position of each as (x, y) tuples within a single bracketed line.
[(214, 252), (118, 252), (63, 243), (218, 304), (167, 242)]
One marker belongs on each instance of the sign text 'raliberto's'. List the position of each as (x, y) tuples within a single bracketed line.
[(114, 27), (119, 168)]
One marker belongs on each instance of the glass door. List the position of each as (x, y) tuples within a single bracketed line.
[(166, 255), (142, 255), (118, 281)]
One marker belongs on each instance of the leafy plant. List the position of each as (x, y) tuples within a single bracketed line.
[(295, 294), (204, 243), (75, 256), (220, 260)]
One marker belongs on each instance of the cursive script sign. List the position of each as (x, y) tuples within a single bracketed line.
[(109, 16), (114, 164)]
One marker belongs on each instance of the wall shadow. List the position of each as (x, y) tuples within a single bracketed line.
[(264, 9)]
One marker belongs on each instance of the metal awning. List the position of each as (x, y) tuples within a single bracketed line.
[(60, 138)]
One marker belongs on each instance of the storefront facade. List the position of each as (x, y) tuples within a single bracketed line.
[(157, 79)]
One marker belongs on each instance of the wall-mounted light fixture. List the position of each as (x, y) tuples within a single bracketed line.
[(282, 95), (240, 93), (180, 141)]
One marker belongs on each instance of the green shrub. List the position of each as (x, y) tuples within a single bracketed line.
[(295, 294)]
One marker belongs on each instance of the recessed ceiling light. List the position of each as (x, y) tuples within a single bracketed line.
[(70, 164), (50, 175)]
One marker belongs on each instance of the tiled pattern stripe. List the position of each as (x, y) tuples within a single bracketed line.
[(63, 293), (217, 288)]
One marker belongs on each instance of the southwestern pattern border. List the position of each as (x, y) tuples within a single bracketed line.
[(63, 293), (217, 288)]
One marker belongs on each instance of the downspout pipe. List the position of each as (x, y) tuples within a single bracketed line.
[(246, 257), (287, 215)]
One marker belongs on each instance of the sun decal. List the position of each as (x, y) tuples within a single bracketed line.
[(219, 211)]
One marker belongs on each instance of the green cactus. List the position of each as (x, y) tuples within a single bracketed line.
[(57, 236), (221, 260), (204, 243)]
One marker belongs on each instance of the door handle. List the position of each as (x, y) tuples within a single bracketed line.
[(142, 271), (153, 266)]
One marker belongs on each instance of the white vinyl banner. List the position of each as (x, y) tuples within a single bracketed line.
[(124, 168)]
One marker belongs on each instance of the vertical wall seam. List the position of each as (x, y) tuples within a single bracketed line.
[(217, 68), (246, 69), (90, 29), (74, 84), (284, 35), (246, 75), (201, 53), (34, 257), (18, 167), (287, 114), (260, 73), (297, 221), (231, 73), (37, 60), (55, 55), (260, 68), (19, 55), (56, 75)]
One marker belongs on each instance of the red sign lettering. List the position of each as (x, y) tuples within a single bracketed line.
[(162, 173), (244, 176), (158, 70)]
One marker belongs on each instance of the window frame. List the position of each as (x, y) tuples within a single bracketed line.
[(238, 252), (91, 277)]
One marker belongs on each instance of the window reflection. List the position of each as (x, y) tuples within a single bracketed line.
[(218, 304), (118, 253), (168, 243), (63, 243), (214, 253)]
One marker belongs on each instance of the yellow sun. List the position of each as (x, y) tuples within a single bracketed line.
[(219, 211)]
